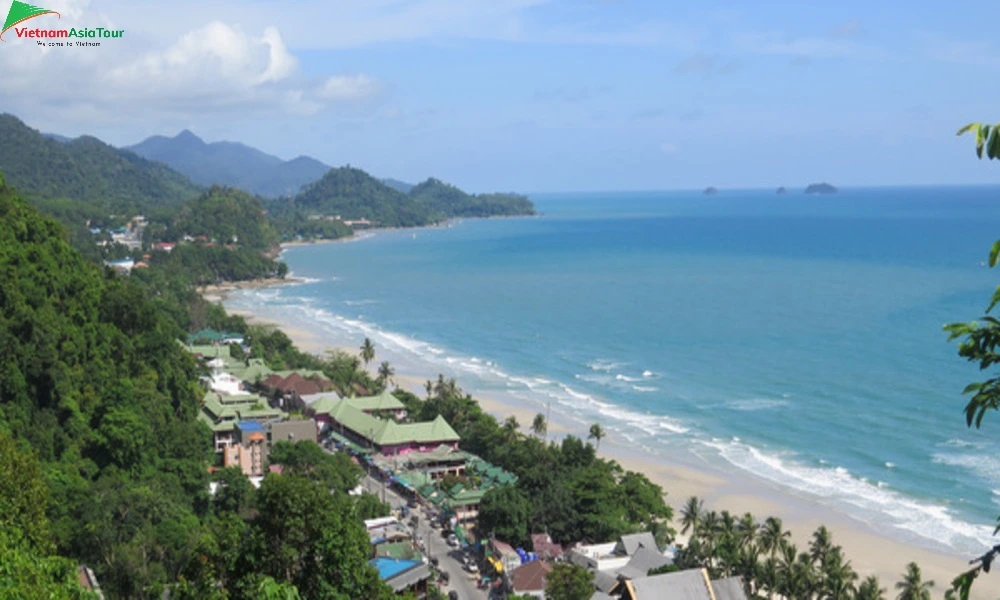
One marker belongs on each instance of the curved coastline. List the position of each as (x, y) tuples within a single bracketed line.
[(873, 548)]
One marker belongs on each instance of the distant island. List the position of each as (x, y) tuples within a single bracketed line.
[(710, 191), (821, 188), (781, 190)]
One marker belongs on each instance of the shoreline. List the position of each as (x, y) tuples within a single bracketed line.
[(870, 552)]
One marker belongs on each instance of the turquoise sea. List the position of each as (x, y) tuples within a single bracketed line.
[(793, 338)]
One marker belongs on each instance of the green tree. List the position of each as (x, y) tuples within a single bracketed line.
[(539, 426), (385, 373), (912, 586), (870, 589), (234, 493), (691, 514), (567, 581), (504, 513), (367, 351), (313, 540), (597, 434), (335, 471), (369, 506)]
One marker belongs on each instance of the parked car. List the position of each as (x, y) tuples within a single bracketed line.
[(452, 595), (453, 541), (471, 567)]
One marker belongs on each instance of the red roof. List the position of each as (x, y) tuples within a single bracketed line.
[(272, 381), (530, 576), (545, 547), (503, 547)]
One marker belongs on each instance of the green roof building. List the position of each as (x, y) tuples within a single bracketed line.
[(386, 435)]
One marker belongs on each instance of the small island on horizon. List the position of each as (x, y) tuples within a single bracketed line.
[(820, 188), (781, 190), (710, 191)]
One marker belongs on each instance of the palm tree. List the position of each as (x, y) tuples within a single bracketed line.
[(385, 372), (539, 426), (429, 386), (510, 427), (747, 529), (691, 515), (772, 536), (597, 432), (836, 575), (912, 587), (367, 351), (870, 590), (820, 545)]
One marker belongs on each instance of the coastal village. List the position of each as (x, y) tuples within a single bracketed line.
[(434, 488)]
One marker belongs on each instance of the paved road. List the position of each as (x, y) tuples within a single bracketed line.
[(449, 559)]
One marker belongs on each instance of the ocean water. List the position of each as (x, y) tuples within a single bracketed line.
[(794, 338)]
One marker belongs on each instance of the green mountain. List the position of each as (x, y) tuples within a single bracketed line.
[(86, 169), (449, 201), (231, 164), (353, 194)]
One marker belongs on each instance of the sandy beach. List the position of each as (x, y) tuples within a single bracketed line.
[(870, 553)]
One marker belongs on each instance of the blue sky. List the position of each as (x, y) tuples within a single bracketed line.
[(535, 95)]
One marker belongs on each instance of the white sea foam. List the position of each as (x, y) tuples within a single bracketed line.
[(364, 302), (755, 404), (985, 466), (647, 373), (645, 388), (890, 465), (931, 522), (603, 364)]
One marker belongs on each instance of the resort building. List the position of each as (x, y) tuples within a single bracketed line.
[(350, 425), (249, 451), (382, 405), (287, 388), (221, 413), (403, 576)]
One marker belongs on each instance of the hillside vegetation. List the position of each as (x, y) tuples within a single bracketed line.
[(86, 169)]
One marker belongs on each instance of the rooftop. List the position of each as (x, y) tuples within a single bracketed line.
[(250, 426), (391, 567)]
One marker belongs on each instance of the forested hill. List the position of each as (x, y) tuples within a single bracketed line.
[(86, 169), (353, 194), (231, 164), (446, 199), (94, 383)]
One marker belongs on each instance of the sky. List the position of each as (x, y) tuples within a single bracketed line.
[(536, 95)]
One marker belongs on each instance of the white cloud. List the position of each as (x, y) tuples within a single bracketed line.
[(350, 87), (216, 67)]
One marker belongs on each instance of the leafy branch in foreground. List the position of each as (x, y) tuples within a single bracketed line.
[(987, 138)]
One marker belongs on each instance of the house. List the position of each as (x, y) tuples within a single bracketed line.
[(221, 413), (290, 431), (464, 504), (249, 451), (403, 575), (529, 579), (502, 557), (642, 562), (544, 547), (287, 388), (611, 556), (692, 584), (164, 246), (211, 336)]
